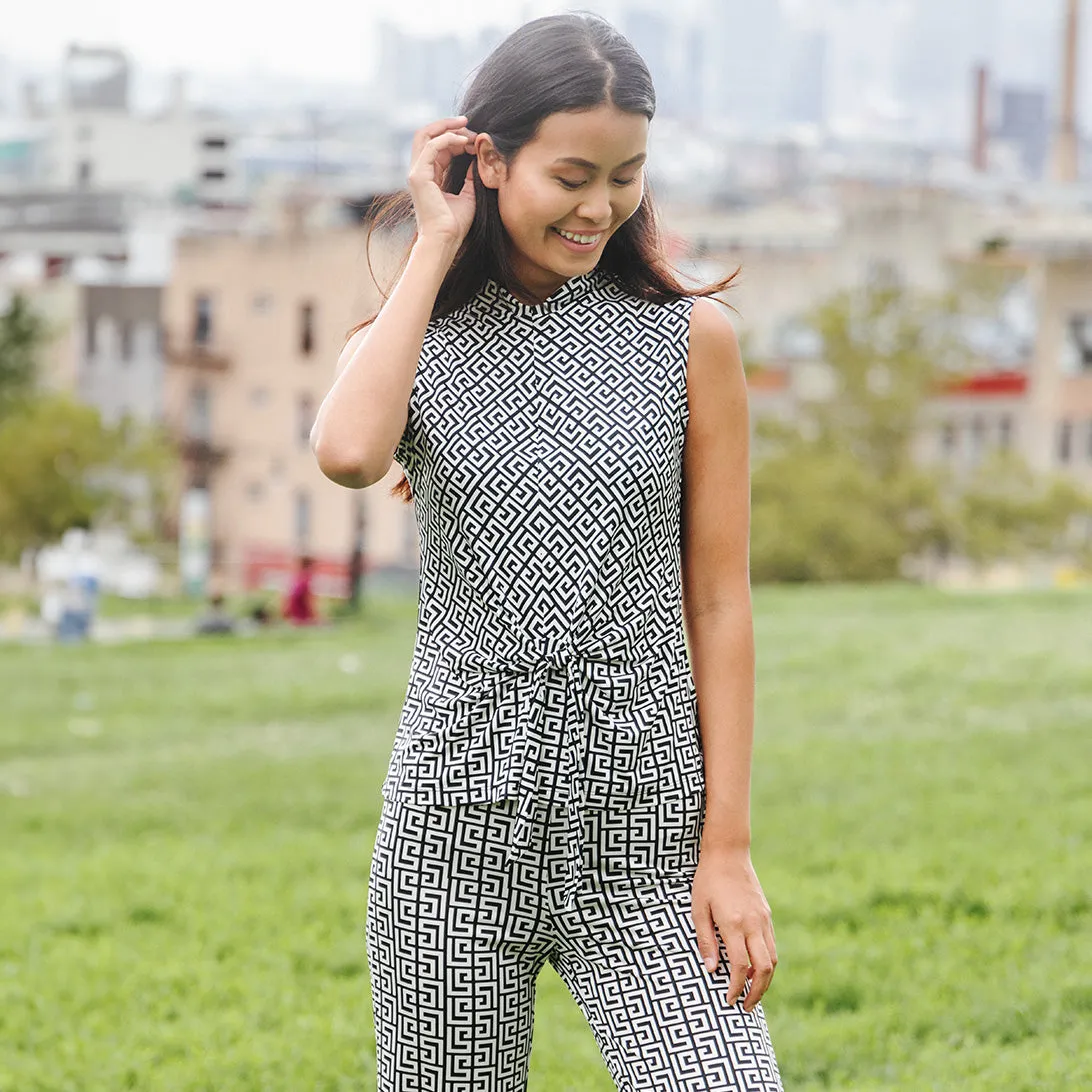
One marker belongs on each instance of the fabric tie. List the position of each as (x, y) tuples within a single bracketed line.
[(536, 666)]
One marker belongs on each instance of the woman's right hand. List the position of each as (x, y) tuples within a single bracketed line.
[(446, 216)]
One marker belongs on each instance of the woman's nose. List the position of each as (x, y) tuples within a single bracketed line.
[(595, 208)]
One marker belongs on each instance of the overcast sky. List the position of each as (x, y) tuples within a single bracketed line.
[(309, 39)]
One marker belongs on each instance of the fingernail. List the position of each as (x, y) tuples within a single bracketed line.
[(710, 964)]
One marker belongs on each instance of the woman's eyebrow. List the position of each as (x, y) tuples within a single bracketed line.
[(577, 162)]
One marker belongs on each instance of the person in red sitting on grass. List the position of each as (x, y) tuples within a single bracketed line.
[(299, 603)]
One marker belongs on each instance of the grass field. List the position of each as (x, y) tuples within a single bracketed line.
[(185, 831)]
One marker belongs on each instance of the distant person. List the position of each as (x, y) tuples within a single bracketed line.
[(79, 601), (299, 603), (261, 615), (572, 424), (216, 619)]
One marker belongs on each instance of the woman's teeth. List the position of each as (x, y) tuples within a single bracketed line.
[(577, 238)]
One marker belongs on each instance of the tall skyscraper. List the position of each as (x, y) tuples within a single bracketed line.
[(656, 38), (806, 78), (862, 42), (746, 64), (1025, 123), (424, 72)]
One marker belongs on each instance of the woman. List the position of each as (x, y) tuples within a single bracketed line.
[(573, 424)]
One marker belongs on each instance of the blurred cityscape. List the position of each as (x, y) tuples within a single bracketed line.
[(201, 258)]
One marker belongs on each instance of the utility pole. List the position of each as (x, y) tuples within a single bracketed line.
[(356, 552)]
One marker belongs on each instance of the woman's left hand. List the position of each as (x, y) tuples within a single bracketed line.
[(727, 898)]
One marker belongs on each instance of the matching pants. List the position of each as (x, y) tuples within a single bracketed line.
[(457, 934)]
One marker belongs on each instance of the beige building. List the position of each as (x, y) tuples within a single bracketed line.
[(1030, 385), (254, 325)]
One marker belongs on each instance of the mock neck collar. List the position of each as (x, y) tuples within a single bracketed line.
[(497, 297)]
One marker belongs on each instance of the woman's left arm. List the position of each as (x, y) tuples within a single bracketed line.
[(727, 897)]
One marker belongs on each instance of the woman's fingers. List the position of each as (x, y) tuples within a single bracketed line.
[(708, 944), (738, 961), (435, 129), (436, 153), (439, 128), (762, 967)]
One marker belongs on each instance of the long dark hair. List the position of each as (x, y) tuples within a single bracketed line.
[(571, 62)]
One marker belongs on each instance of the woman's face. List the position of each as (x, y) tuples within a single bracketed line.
[(583, 175)]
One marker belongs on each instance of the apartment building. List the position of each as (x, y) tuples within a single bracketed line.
[(254, 324), (1028, 382), (93, 139)]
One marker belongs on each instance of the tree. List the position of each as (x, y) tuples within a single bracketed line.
[(842, 496), (22, 335), (60, 467), (1009, 512)]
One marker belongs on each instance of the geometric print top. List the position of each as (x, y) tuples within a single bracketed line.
[(544, 449)]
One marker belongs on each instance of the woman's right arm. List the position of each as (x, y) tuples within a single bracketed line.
[(362, 418)]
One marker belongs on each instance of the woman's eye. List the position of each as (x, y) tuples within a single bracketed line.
[(576, 185)]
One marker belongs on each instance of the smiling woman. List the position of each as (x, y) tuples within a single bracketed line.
[(574, 425)]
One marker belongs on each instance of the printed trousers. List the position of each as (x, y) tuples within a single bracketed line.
[(457, 934)]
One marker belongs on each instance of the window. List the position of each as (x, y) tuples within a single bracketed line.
[(949, 437), (882, 273), (263, 303), (305, 419), (145, 335), (213, 175), (1065, 441), (302, 516), (84, 170), (125, 341), (307, 328), (202, 320), (90, 338), (199, 416), (978, 438), (255, 491), (1078, 348), (1004, 433), (259, 396), (214, 142)]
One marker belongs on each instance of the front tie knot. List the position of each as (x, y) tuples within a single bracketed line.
[(535, 736), (558, 658)]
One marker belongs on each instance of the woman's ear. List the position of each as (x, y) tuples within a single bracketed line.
[(492, 169)]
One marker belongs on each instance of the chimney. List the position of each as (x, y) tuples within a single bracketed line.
[(981, 145), (1065, 157)]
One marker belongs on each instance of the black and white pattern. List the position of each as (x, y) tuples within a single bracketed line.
[(457, 935), (550, 679)]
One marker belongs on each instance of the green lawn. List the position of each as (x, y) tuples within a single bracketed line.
[(185, 831)]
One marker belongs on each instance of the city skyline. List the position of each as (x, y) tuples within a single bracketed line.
[(894, 61)]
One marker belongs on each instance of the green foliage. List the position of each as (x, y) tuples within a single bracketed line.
[(1010, 512), (842, 497), (60, 467), (22, 335), (818, 514)]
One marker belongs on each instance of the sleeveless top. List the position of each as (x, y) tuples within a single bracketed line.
[(544, 449)]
